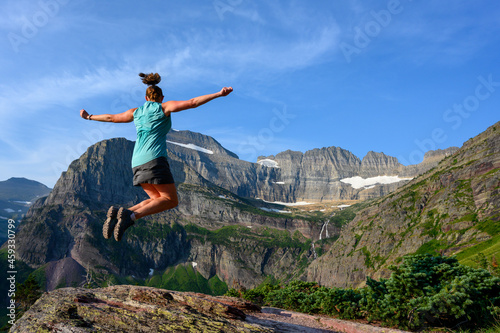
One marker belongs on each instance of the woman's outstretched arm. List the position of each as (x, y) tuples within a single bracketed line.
[(124, 117), (176, 106)]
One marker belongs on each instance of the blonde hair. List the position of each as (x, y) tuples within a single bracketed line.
[(153, 92)]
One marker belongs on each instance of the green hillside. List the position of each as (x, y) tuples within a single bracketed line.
[(453, 209)]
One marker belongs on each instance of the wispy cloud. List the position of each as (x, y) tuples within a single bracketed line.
[(437, 32), (198, 55), (60, 89)]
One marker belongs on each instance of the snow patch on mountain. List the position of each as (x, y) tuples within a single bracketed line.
[(268, 163), (359, 182), (192, 146)]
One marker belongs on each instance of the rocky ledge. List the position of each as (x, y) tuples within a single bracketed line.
[(134, 309), (128, 308)]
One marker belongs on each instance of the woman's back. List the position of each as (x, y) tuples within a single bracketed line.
[(152, 127)]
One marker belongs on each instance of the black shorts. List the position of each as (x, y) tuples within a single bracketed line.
[(156, 171)]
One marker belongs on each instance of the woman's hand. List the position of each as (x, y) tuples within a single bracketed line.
[(226, 91), (84, 114)]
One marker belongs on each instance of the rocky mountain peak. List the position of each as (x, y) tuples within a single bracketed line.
[(22, 189), (198, 142), (378, 164), (433, 156), (291, 176), (102, 175)]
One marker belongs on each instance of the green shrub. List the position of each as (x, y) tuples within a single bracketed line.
[(435, 291), (424, 291), (259, 294), (342, 303), (297, 295), (232, 293)]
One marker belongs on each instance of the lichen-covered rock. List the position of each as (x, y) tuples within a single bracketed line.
[(135, 309)]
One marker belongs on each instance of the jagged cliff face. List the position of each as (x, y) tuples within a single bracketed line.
[(97, 177), (103, 176), (318, 174), (224, 234), (315, 175), (198, 159), (292, 176), (448, 210), (218, 165)]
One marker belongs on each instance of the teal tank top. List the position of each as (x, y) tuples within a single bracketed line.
[(152, 127)]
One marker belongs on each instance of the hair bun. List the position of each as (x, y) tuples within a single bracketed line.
[(150, 79)]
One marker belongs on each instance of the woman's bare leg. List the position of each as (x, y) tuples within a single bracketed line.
[(140, 204), (161, 197), (151, 192)]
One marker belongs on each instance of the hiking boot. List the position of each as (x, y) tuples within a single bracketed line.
[(109, 225), (124, 222)]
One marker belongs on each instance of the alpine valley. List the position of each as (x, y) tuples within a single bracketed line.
[(239, 223)]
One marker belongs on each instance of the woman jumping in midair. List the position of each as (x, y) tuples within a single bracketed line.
[(149, 160)]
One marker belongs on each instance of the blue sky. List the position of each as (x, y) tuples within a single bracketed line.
[(399, 76)]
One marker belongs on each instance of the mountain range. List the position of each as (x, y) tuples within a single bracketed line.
[(317, 175), (453, 209), (233, 229), (16, 196)]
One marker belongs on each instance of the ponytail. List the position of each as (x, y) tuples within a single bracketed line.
[(153, 92)]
